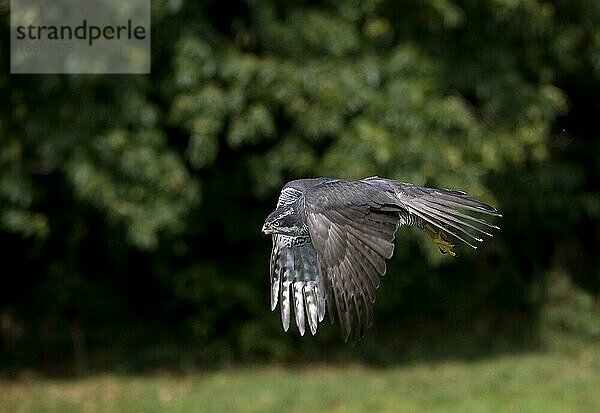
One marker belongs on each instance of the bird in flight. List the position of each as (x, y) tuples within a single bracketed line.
[(331, 239)]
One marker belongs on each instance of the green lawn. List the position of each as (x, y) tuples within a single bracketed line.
[(546, 382)]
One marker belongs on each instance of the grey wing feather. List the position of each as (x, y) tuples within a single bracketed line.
[(353, 237), (294, 270)]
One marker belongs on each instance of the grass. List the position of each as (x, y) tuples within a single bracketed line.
[(541, 382)]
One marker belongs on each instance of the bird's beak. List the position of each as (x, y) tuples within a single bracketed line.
[(266, 229)]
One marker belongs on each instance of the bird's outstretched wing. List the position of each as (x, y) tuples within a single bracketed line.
[(353, 234), (294, 267)]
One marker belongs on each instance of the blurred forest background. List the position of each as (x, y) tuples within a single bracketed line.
[(131, 206)]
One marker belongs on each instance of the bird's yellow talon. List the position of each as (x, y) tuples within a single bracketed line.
[(444, 246)]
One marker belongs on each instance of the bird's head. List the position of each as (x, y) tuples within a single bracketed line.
[(282, 221)]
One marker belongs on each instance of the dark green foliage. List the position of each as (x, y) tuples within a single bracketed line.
[(130, 206)]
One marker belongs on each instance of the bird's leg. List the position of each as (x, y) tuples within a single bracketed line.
[(437, 236)]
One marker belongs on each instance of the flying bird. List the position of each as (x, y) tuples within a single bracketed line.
[(331, 239)]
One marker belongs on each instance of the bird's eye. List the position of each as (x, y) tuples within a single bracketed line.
[(277, 222)]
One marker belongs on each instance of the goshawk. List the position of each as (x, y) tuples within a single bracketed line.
[(331, 238)]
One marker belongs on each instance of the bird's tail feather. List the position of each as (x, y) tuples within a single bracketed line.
[(444, 209), (441, 208)]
